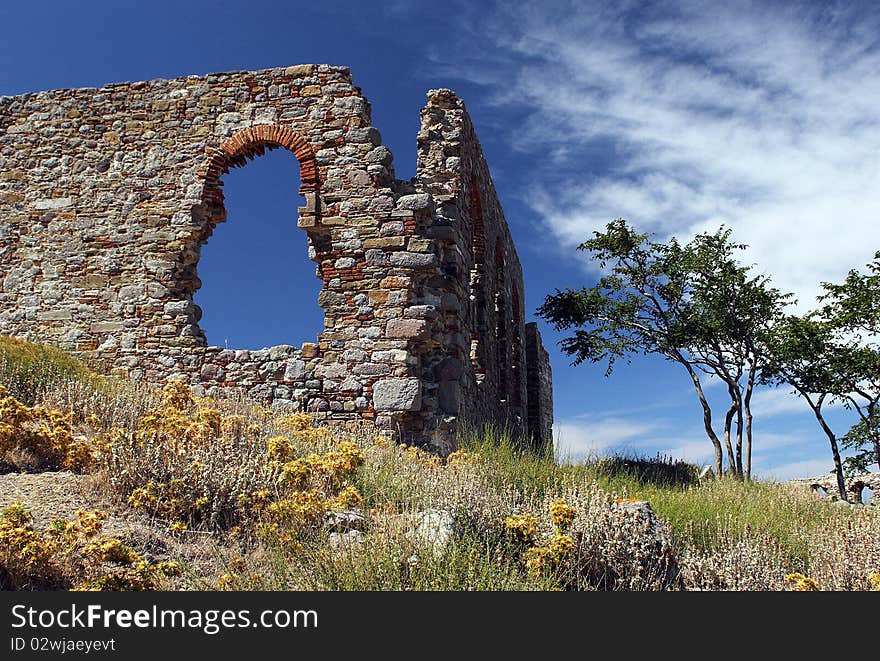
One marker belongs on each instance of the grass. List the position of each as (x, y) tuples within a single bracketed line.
[(254, 485), (696, 512), (28, 370)]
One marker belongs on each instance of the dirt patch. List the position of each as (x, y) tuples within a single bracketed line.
[(59, 494)]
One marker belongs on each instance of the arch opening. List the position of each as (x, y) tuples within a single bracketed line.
[(256, 286)]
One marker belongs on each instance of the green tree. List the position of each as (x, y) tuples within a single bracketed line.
[(693, 304), (853, 307), (860, 441), (802, 352)]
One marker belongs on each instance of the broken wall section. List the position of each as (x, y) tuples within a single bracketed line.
[(107, 195), (481, 369)]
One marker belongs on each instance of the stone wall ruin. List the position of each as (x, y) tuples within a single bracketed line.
[(107, 196)]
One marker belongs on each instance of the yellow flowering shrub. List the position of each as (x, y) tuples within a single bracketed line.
[(462, 457), (279, 448), (348, 498), (41, 437), (523, 527), (188, 462), (27, 558), (170, 500), (294, 423), (797, 582), (542, 560), (183, 420), (71, 554), (285, 520), (327, 472), (874, 579), (562, 514)]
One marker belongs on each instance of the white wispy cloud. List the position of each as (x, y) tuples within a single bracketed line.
[(794, 470), (579, 438), (590, 436), (778, 401), (686, 115)]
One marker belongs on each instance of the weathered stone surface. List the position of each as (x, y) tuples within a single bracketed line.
[(415, 202), (397, 395), (53, 203), (212, 372), (108, 195), (413, 260), (349, 540), (407, 328), (294, 370), (344, 520), (434, 529)]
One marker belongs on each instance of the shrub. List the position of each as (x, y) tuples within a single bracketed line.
[(734, 558), (40, 438), (845, 551), (195, 462), (613, 546), (28, 370), (71, 555), (660, 471)]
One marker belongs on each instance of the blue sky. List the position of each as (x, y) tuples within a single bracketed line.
[(678, 116)]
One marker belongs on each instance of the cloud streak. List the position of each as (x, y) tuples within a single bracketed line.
[(758, 116), (578, 438)]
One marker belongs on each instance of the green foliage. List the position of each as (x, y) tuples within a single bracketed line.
[(691, 303), (833, 354), (28, 369), (859, 441), (659, 471), (853, 307)]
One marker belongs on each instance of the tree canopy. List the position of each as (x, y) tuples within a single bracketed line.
[(692, 303)]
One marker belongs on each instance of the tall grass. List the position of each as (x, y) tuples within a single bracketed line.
[(697, 513), (214, 459), (29, 370)]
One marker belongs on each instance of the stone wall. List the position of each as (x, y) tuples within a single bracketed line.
[(826, 486), (107, 196), (540, 387)]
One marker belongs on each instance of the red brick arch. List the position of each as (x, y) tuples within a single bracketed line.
[(251, 142)]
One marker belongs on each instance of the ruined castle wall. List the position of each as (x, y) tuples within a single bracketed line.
[(480, 263), (540, 388), (107, 196)]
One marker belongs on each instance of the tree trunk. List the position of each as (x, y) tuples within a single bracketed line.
[(748, 406), (835, 452), (739, 439), (871, 425), (707, 417), (728, 423)]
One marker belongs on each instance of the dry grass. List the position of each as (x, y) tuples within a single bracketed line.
[(238, 495)]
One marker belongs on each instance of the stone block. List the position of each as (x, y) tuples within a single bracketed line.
[(55, 315), (406, 329), (414, 260), (107, 327), (415, 202), (300, 70), (211, 372), (397, 395), (53, 204)]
